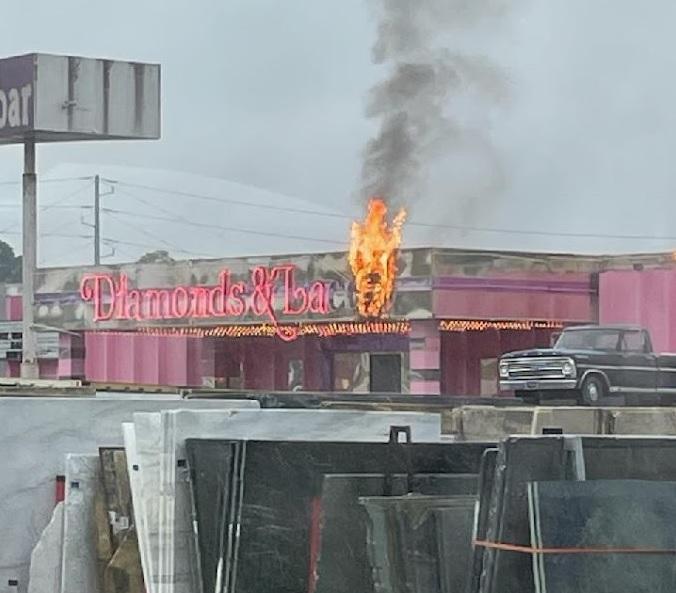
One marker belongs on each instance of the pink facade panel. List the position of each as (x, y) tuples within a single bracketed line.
[(566, 298), (481, 304), (424, 359), (425, 388), (141, 359), (13, 308), (643, 298)]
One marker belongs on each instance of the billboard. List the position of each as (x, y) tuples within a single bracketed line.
[(52, 98)]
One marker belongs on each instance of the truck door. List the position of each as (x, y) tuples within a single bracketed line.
[(639, 363)]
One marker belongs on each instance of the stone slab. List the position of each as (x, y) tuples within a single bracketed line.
[(35, 436), (280, 484), (45, 569), (175, 532), (78, 568)]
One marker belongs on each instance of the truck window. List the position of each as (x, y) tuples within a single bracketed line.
[(592, 339), (633, 341)]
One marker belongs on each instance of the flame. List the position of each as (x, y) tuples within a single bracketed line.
[(373, 258)]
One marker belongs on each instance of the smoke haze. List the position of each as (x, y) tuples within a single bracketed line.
[(568, 125), (413, 105)]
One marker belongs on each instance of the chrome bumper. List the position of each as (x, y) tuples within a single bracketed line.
[(537, 384)]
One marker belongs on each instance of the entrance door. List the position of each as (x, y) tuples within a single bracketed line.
[(385, 374)]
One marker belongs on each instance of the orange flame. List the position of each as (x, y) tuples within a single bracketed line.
[(373, 258)]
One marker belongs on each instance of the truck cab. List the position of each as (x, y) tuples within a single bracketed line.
[(589, 364)]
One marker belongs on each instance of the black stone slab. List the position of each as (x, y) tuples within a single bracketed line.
[(280, 482), (213, 470), (527, 459), (454, 541), (519, 461), (406, 543), (486, 480), (621, 514), (630, 458), (343, 560)]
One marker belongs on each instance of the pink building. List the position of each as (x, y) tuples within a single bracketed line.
[(643, 297), (290, 322)]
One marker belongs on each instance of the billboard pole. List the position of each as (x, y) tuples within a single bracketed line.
[(29, 364)]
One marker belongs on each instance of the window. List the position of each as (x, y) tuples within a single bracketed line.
[(296, 375), (592, 339), (489, 376), (633, 341), (350, 372), (385, 373)]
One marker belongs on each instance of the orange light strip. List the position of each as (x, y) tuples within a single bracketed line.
[(322, 330), (462, 325)]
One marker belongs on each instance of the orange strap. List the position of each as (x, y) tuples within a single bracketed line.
[(599, 550)]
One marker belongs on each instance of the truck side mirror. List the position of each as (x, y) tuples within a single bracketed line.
[(554, 338)]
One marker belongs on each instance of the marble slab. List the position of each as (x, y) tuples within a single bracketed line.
[(45, 570), (137, 495), (533, 459), (480, 526), (146, 487), (616, 514), (176, 542), (35, 436), (342, 563), (78, 568), (275, 522)]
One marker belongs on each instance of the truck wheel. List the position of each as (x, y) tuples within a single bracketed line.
[(593, 391)]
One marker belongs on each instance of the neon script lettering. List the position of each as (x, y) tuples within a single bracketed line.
[(271, 291)]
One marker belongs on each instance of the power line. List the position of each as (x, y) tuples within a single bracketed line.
[(310, 212), (176, 218), (43, 259), (158, 238), (61, 235), (55, 204), (57, 207), (111, 241), (53, 180), (228, 200), (411, 223)]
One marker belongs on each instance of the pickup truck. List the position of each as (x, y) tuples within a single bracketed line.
[(590, 364)]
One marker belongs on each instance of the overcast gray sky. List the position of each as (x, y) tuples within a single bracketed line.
[(272, 94)]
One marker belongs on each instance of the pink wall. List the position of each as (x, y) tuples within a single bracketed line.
[(13, 308), (543, 296), (644, 298), (140, 359), (425, 358)]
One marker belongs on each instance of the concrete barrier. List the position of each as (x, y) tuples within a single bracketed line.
[(571, 420), (646, 421), (486, 423)]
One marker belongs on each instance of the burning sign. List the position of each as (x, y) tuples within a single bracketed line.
[(373, 258)]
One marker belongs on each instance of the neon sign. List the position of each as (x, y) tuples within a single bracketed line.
[(270, 293)]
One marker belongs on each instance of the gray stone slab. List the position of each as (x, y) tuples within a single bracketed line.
[(78, 568), (176, 540), (137, 494), (617, 514), (45, 569), (146, 490), (36, 435)]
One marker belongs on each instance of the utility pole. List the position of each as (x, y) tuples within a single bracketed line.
[(97, 220), (29, 362)]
